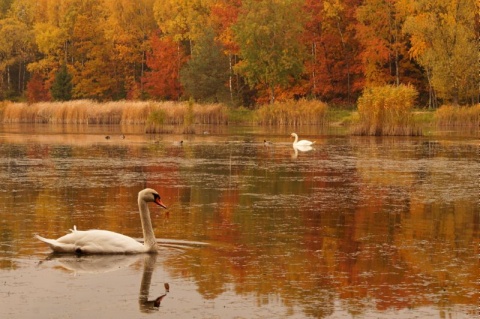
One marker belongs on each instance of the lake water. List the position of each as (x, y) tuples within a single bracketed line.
[(357, 227)]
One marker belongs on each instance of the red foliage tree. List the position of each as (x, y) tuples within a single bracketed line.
[(333, 69), (165, 60), (36, 89)]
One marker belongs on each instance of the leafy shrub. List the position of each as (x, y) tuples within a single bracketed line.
[(387, 110)]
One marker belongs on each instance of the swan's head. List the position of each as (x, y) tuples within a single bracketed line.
[(293, 134), (151, 195)]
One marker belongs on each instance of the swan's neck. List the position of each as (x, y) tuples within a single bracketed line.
[(148, 235), (296, 139)]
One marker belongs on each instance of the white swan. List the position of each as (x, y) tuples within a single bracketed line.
[(106, 242), (301, 142)]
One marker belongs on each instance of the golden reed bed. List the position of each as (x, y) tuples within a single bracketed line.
[(463, 116), (120, 112)]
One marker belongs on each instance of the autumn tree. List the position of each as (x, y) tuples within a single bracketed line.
[(16, 48), (164, 60), (268, 33), (444, 43), (4, 6), (92, 69), (36, 90), (53, 30), (333, 68), (183, 20), (379, 31), (224, 15), (127, 30)]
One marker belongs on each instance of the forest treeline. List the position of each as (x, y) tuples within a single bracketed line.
[(238, 52)]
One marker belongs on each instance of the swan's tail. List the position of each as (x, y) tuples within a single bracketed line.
[(56, 246), (50, 242)]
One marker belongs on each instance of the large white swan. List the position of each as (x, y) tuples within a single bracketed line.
[(106, 242), (301, 142)]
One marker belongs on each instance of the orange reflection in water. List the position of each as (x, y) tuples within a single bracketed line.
[(356, 226)]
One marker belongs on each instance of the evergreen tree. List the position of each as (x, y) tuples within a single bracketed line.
[(62, 85), (205, 75)]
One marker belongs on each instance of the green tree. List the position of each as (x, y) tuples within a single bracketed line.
[(268, 33), (61, 89), (205, 75)]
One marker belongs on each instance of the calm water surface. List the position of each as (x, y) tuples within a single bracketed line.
[(357, 227)]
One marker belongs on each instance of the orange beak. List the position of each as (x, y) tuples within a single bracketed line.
[(159, 202)]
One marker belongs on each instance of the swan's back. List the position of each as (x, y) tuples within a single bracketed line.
[(95, 242)]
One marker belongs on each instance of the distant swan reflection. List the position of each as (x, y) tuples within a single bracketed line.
[(301, 148), (97, 264)]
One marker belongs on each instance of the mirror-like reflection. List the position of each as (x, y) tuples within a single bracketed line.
[(98, 264), (355, 227)]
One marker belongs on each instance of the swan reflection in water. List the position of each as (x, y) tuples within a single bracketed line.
[(98, 264), (301, 148)]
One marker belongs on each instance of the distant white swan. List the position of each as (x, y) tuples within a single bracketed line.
[(106, 242), (301, 142)]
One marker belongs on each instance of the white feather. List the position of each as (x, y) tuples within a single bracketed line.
[(107, 242)]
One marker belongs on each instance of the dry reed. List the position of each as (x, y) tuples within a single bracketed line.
[(459, 116), (387, 110), (294, 113), (120, 112)]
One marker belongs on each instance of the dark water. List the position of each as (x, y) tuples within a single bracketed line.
[(357, 227)]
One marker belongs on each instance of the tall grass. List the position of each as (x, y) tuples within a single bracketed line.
[(387, 110), (121, 112), (459, 116), (294, 113)]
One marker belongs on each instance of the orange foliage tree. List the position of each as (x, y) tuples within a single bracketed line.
[(164, 61), (333, 68), (384, 46), (36, 89)]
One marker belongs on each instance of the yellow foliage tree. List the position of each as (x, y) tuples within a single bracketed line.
[(444, 42)]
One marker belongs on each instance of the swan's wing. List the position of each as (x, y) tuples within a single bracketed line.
[(94, 242), (304, 143)]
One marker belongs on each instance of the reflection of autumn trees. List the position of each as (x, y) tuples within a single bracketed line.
[(378, 224), (385, 248)]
